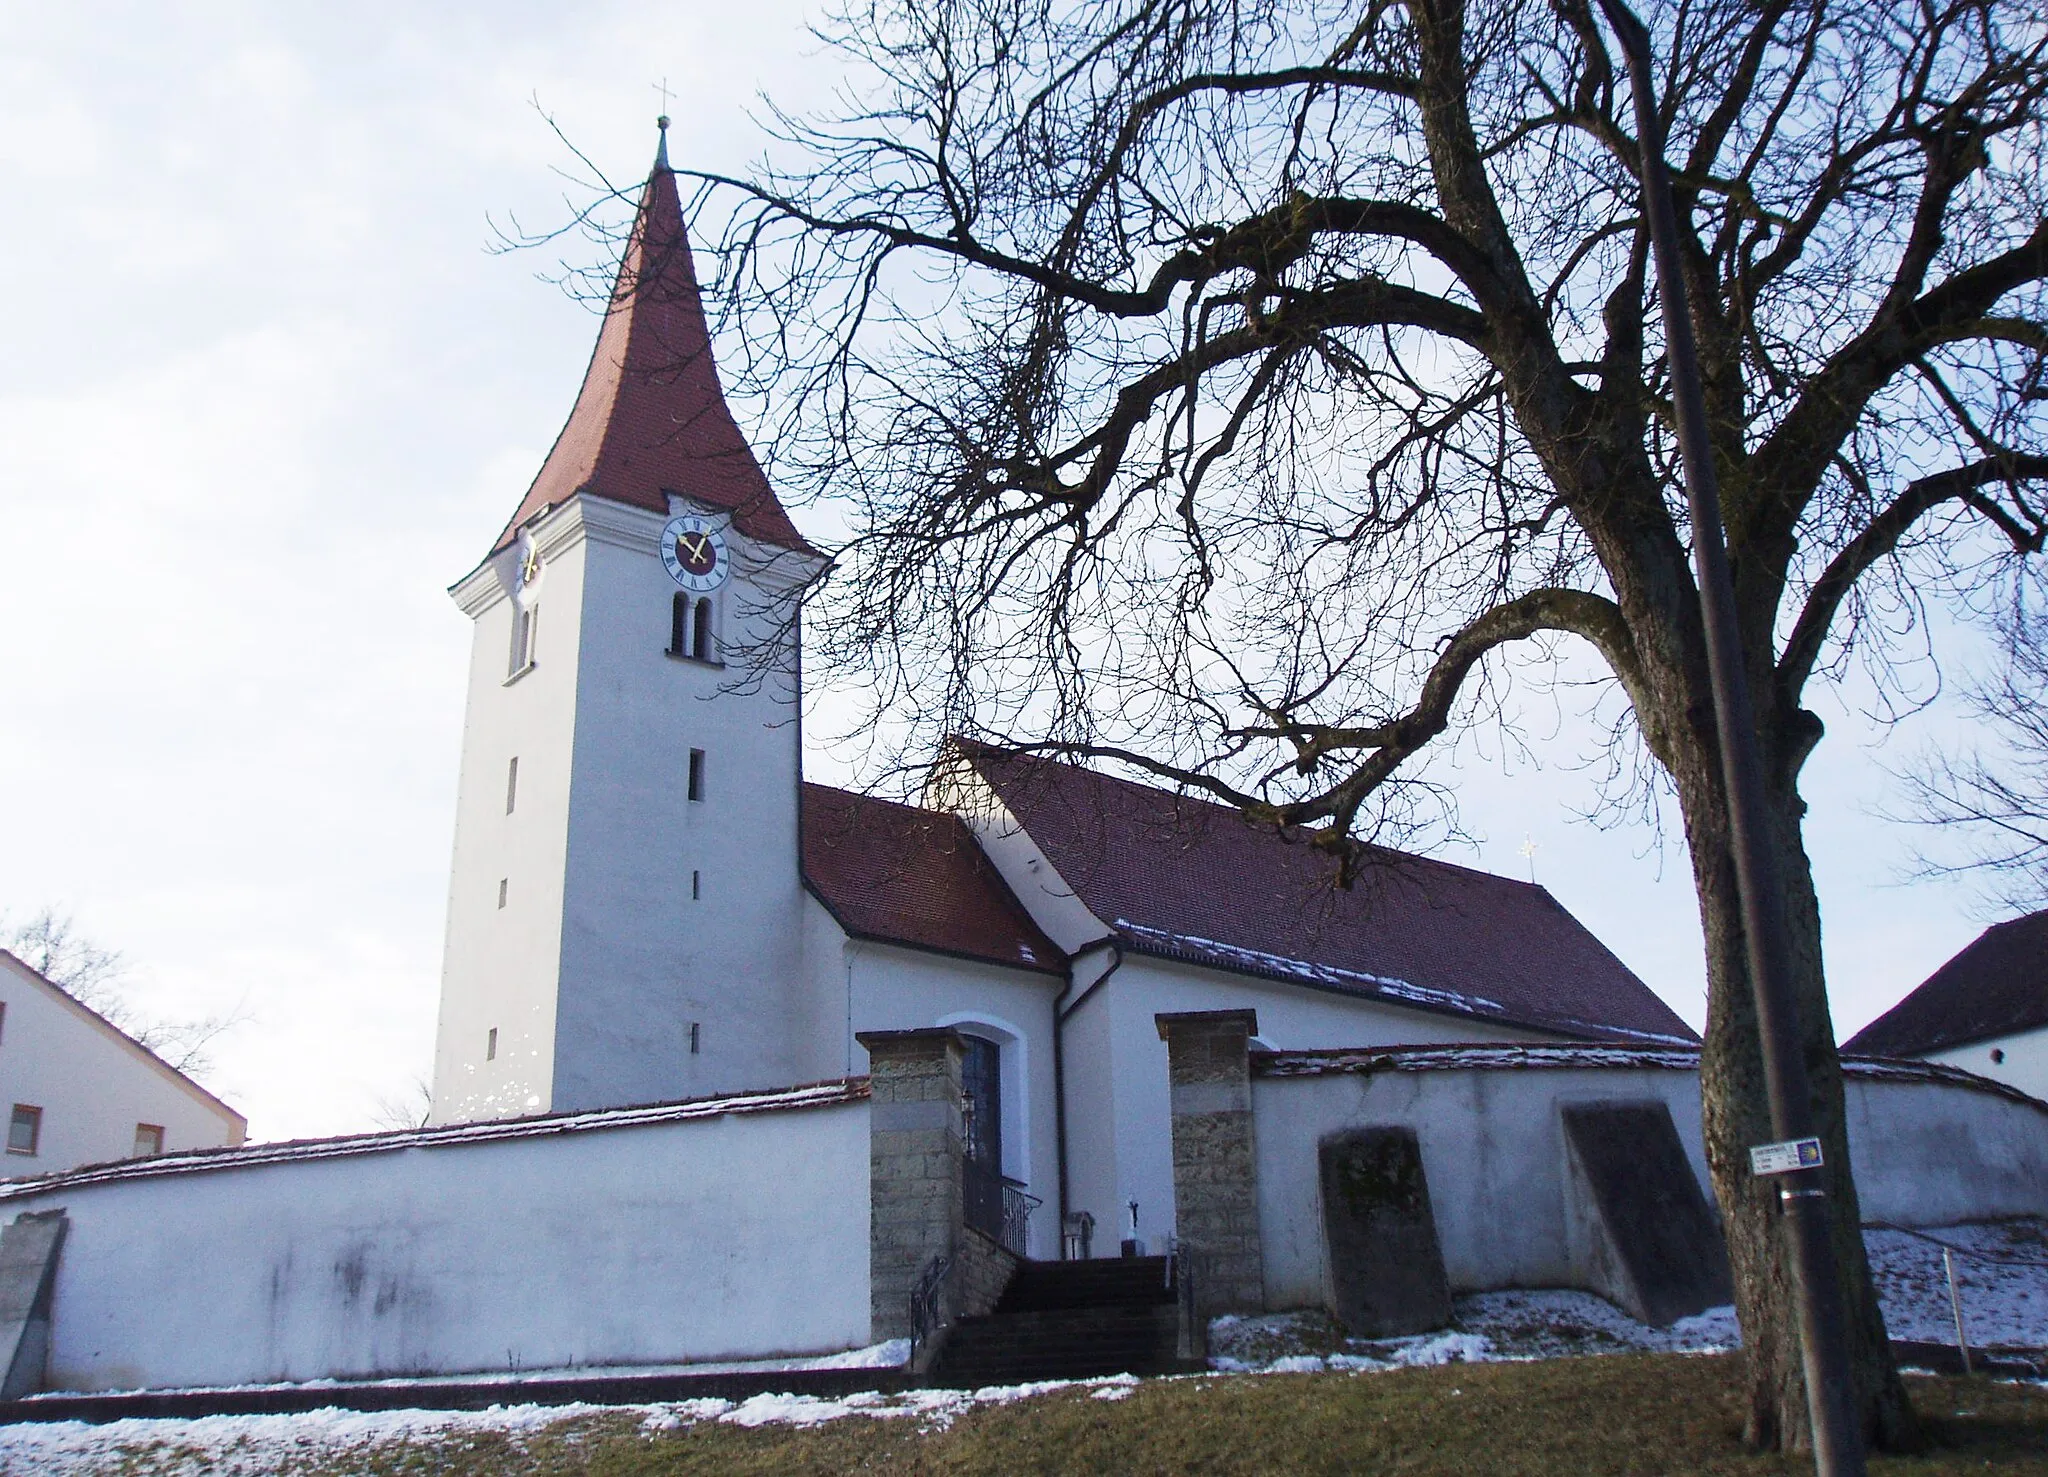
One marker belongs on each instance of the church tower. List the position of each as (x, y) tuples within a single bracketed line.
[(624, 907)]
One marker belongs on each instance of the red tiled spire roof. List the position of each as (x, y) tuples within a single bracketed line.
[(651, 417)]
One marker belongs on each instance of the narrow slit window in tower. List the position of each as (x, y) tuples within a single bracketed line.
[(504, 886), (511, 784), (696, 774), (491, 1045)]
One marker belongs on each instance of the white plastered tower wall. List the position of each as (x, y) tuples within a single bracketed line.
[(501, 965), (680, 911), (632, 912)]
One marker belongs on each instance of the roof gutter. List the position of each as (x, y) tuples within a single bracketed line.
[(1060, 1013)]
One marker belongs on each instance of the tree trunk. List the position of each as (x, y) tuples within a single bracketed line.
[(1737, 1114)]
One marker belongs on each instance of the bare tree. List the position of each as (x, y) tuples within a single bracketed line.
[(1227, 388), (408, 1108), (1994, 797), (48, 941)]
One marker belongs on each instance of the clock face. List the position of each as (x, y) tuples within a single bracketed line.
[(693, 552)]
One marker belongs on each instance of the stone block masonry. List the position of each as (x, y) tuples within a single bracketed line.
[(915, 1149), (1215, 1170)]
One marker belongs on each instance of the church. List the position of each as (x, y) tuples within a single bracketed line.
[(732, 1066), (649, 903)]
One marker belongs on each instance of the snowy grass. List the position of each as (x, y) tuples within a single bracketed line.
[(1643, 1413)]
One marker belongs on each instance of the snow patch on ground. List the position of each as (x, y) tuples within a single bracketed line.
[(2001, 1281), (248, 1445)]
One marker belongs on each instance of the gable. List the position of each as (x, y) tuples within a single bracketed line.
[(902, 875), (1998, 986)]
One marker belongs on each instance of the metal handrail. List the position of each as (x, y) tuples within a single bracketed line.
[(997, 1206), (927, 1301)]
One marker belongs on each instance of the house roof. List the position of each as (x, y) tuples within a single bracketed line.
[(651, 417), (1185, 879), (22, 969), (1998, 986), (907, 876)]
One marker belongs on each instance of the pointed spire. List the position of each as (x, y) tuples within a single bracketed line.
[(651, 417)]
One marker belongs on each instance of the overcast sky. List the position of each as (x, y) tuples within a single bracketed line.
[(265, 393)]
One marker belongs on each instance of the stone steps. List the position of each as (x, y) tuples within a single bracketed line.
[(1069, 1320)]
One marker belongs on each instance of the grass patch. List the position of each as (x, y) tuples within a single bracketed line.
[(1649, 1413)]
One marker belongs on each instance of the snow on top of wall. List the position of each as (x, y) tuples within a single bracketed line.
[(197, 1161), (1480, 1056), (1258, 961)]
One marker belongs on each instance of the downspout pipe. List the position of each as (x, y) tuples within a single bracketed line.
[(1061, 1010)]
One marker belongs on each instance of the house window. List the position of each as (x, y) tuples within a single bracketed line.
[(491, 1045), (511, 784), (149, 1140), (679, 625), (700, 633), (24, 1129), (696, 774), (524, 625)]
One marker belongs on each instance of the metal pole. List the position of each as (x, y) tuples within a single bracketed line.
[(1837, 1444), (1955, 1307)]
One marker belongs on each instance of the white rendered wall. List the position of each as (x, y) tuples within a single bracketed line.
[(93, 1084), (2025, 1063), (1138, 1133), (727, 1237), (898, 989), (1934, 1154), (1494, 1153), (602, 958), (641, 958), (500, 965)]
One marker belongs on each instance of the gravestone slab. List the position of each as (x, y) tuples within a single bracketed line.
[(1648, 1240), (1386, 1265), (28, 1277)]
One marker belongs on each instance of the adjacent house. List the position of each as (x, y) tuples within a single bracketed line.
[(79, 1090), (1986, 1010)]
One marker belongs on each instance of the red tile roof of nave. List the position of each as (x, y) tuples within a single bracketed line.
[(1998, 986), (651, 417), (1185, 879), (903, 875)]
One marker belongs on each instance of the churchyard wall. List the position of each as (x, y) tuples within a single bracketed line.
[(1931, 1147), (728, 1229), (1139, 1128)]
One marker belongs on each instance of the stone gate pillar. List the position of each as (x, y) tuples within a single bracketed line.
[(915, 1148), (1215, 1169)]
